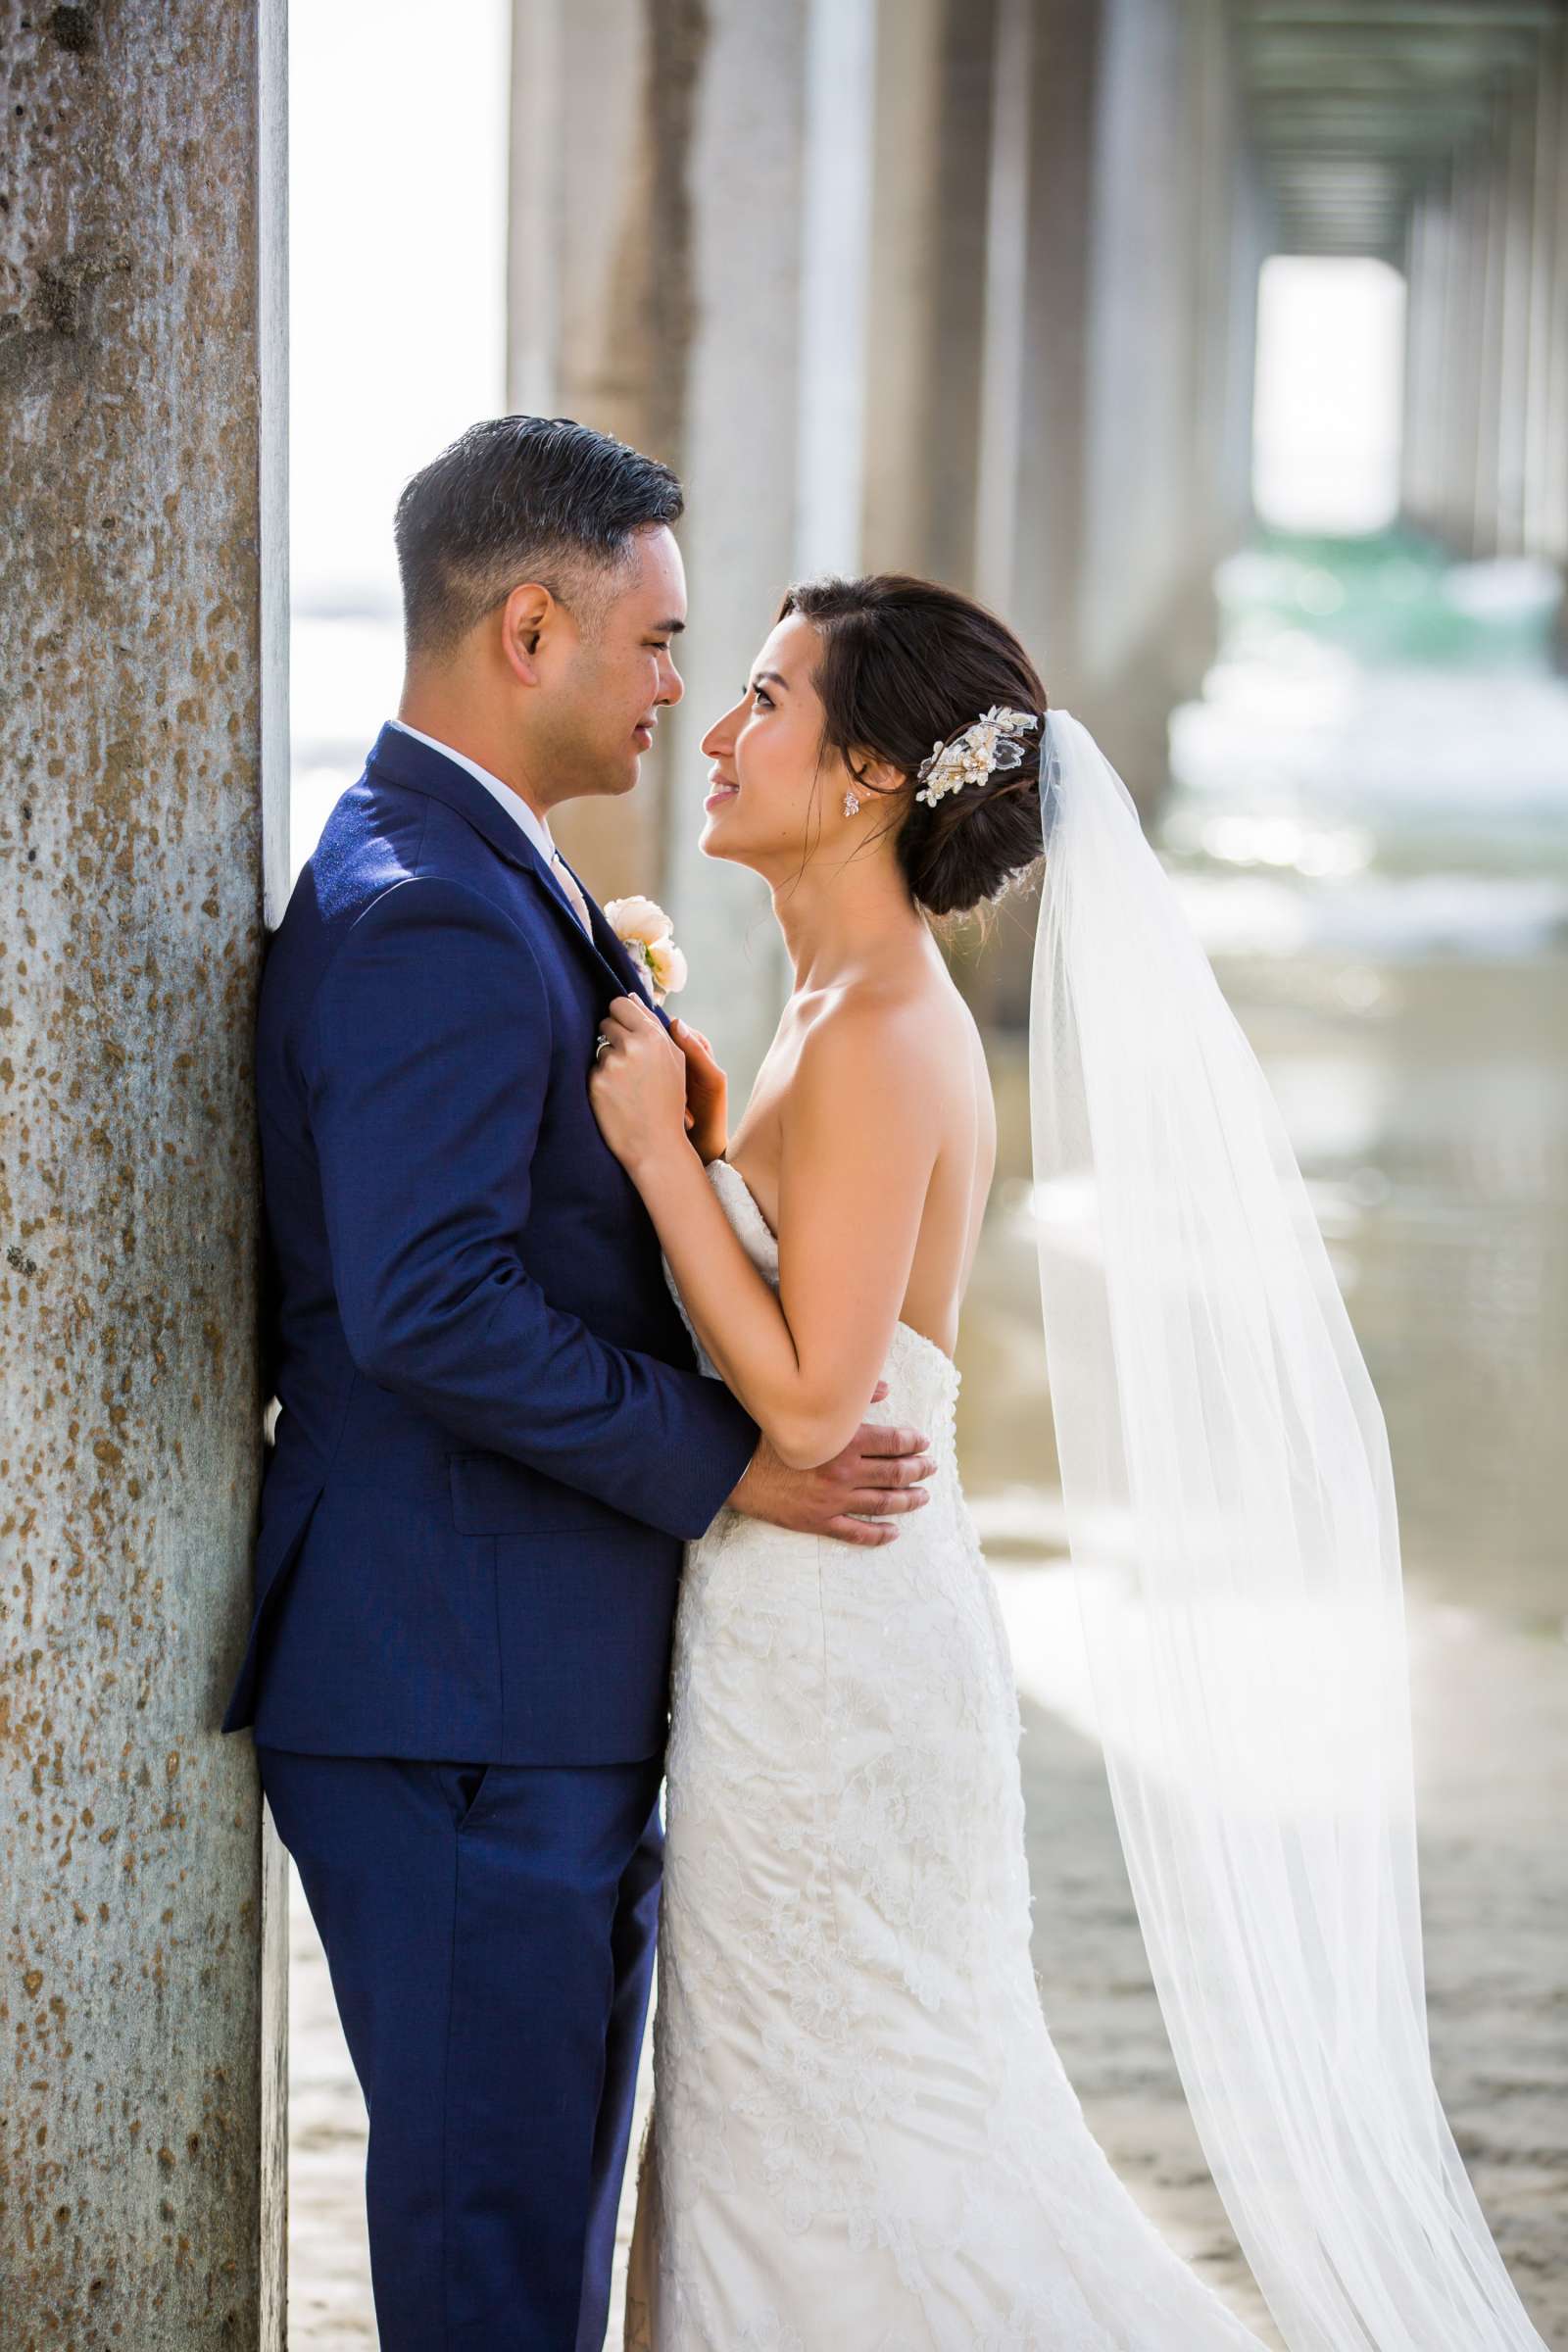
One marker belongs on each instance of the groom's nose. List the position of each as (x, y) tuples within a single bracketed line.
[(673, 685)]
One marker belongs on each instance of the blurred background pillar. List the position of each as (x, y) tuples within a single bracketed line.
[(727, 337), (1064, 345), (141, 712), (1142, 281), (934, 285), (596, 273), (980, 299), (1485, 249), (936, 324)]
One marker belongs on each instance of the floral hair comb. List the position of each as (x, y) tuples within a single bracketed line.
[(990, 744)]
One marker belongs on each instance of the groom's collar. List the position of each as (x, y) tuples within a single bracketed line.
[(400, 757), (536, 827)]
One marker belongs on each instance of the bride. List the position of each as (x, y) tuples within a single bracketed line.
[(862, 2139)]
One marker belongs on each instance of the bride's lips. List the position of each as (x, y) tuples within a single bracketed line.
[(720, 792)]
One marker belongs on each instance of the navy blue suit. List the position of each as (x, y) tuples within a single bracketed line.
[(492, 1444)]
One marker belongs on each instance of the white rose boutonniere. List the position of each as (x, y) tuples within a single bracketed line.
[(645, 931)]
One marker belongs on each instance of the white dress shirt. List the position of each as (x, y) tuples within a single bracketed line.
[(518, 808)]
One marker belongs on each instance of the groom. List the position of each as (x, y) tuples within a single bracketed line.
[(493, 1439)]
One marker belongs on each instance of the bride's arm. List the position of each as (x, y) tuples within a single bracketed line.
[(855, 1161)]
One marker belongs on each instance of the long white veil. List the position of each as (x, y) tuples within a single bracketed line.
[(1230, 1509)]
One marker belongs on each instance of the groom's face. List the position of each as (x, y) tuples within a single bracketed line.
[(610, 676)]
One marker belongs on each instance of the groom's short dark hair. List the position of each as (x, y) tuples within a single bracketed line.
[(521, 498)]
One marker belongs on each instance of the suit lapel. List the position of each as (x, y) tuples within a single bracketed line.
[(402, 759), (610, 948), (604, 948)]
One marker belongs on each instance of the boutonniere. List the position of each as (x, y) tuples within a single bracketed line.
[(646, 932)]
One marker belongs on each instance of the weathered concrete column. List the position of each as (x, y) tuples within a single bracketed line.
[(141, 582)]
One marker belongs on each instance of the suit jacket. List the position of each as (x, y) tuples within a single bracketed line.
[(493, 1439)]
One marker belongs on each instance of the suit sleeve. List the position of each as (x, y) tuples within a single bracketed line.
[(425, 1068)]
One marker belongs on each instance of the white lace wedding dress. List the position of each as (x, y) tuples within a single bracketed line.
[(862, 2140)]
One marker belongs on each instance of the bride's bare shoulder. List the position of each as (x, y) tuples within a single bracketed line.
[(886, 1041), (873, 1013)]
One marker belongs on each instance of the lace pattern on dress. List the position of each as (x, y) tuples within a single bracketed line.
[(864, 2139)]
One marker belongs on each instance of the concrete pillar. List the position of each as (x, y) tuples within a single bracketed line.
[(1545, 496), (1504, 203), (727, 336), (597, 299), (934, 291), (1428, 266), (978, 302), (1516, 173), (1137, 446), (1465, 325), (1052, 487), (1146, 235), (1005, 389), (750, 355), (1230, 234), (1472, 457), (906, 291), (837, 365), (1492, 213), (141, 474)]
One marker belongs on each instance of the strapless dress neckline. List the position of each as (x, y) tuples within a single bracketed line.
[(743, 1192)]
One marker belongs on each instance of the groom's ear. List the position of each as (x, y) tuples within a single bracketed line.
[(527, 618)]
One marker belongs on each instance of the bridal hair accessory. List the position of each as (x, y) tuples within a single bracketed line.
[(1230, 1511), (646, 932), (990, 743)]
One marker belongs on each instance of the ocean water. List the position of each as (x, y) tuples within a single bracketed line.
[(1378, 759), (1368, 819)]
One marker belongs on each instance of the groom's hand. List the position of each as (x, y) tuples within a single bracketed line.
[(879, 1473)]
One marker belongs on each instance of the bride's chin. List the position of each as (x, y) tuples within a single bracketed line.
[(712, 843)]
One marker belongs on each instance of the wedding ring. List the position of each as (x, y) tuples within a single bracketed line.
[(600, 1043)]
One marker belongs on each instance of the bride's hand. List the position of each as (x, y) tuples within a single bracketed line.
[(706, 1094), (637, 1085)]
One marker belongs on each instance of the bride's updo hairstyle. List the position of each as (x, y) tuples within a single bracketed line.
[(906, 663)]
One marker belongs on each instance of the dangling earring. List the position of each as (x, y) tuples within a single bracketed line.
[(851, 801)]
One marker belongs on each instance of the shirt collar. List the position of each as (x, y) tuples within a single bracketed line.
[(516, 807)]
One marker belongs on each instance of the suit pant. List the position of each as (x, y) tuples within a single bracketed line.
[(490, 1933)]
